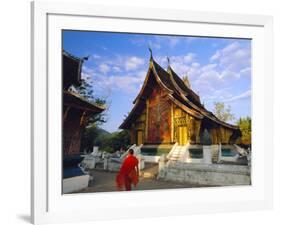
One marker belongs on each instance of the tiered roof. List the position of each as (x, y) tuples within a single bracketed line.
[(177, 92), (72, 66), (76, 101)]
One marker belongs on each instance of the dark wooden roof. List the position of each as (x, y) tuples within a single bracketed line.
[(178, 82), (73, 100), (177, 92), (71, 67)]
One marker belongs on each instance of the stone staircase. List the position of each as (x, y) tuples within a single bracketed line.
[(215, 156), (240, 150), (178, 153), (136, 148)]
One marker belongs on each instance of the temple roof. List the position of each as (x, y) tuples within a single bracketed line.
[(76, 101), (71, 70), (177, 92), (178, 82), (72, 76)]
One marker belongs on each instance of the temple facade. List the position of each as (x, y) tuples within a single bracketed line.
[(167, 111), (76, 109)]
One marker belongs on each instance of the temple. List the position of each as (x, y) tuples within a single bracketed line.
[(76, 109), (168, 111)]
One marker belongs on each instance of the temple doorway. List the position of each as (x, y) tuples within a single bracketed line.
[(182, 131)]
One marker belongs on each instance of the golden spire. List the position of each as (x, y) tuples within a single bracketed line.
[(186, 81)]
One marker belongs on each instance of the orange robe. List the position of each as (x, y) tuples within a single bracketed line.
[(128, 173)]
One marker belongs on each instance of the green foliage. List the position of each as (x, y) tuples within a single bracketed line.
[(116, 140), (109, 142), (86, 91), (108, 149), (88, 137), (246, 130), (223, 112)]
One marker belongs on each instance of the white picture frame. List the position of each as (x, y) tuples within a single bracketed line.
[(47, 202)]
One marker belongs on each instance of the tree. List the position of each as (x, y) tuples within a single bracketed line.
[(86, 91), (246, 130), (115, 141), (223, 112), (91, 132)]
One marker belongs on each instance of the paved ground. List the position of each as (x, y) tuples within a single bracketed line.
[(105, 181)]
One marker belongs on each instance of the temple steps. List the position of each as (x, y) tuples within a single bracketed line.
[(215, 156), (178, 153)]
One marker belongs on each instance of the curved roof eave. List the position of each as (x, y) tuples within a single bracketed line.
[(206, 113), (88, 105), (151, 68)]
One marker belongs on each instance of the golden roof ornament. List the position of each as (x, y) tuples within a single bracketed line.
[(186, 81)]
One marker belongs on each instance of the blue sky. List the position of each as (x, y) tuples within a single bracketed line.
[(219, 69)]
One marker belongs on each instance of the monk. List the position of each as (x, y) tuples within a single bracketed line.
[(129, 172)]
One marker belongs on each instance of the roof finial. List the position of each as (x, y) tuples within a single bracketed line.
[(168, 59), (86, 58), (151, 57)]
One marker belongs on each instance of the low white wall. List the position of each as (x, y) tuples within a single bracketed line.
[(229, 158), (206, 174), (193, 160), (114, 166), (90, 161), (151, 159), (75, 183)]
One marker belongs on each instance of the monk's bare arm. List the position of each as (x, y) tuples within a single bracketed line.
[(137, 168)]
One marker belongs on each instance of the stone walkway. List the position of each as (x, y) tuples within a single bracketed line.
[(105, 182)]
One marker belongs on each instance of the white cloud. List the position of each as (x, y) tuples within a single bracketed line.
[(181, 64), (165, 42), (138, 41), (87, 70), (116, 69), (104, 68), (126, 75), (244, 95), (158, 42), (230, 48), (95, 56), (129, 83), (189, 57), (86, 76), (118, 63), (245, 71), (154, 44), (133, 63), (215, 57), (228, 74), (195, 65), (173, 41), (234, 56), (209, 67), (227, 65)]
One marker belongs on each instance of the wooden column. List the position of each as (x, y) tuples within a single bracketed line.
[(172, 122), (65, 113), (146, 120)]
